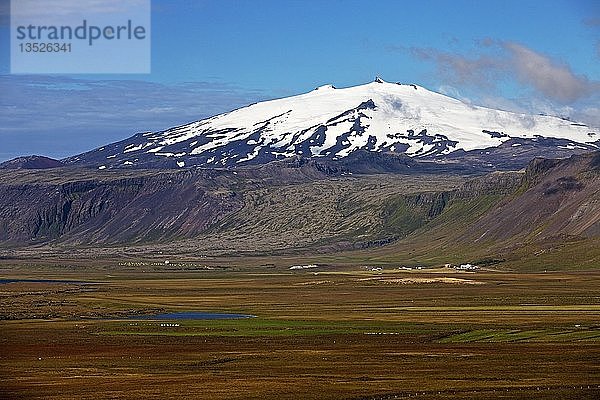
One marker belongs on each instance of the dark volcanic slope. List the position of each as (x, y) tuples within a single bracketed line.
[(557, 198)]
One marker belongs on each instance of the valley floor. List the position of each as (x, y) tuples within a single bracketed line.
[(319, 333)]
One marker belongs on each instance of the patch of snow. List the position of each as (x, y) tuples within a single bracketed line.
[(131, 147), (250, 156), (171, 154), (567, 147)]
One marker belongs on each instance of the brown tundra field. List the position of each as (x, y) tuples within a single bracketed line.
[(94, 331)]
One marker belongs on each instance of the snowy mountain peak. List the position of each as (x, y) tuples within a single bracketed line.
[(332, 123), (325, 87)]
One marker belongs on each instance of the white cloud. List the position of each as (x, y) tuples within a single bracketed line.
[(512, 61), (556, 81), (536, 82)]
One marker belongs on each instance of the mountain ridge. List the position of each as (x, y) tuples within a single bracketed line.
[(331, 123), (31, 162)]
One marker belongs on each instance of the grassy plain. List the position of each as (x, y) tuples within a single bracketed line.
[(326, 333)]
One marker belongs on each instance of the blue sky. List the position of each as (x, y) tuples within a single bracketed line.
[(216, 55)]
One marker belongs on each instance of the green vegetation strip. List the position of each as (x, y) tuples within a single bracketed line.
[(260, 327), (256, 327)]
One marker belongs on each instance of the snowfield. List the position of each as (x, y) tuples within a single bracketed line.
[(331, 122)]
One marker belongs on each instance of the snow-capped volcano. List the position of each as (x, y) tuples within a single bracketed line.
[(332, 123)]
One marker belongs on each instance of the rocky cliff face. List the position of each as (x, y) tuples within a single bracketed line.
[(140, 208)]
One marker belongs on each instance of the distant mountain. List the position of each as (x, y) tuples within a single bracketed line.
[(31, 162), (331, 123), (312, 206)]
